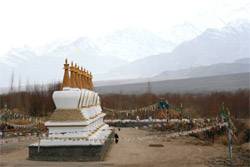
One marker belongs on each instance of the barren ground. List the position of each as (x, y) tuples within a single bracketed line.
[(181, 151)]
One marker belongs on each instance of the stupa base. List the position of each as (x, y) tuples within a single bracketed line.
[(70, 152)]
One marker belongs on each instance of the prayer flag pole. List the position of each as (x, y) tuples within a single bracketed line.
[(39, 139), (229, 138)]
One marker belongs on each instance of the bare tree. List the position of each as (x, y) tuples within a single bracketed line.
[(12, 82), (19, 85)]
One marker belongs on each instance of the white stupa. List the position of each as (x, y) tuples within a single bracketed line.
[(76, 123)]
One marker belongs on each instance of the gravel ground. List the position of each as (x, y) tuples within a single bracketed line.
[(182, 151)]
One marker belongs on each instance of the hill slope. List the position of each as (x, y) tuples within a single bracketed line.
[(239, 66), (229, 82)]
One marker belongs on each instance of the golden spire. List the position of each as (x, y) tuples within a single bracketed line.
[(66, 81), (91, 82), (72, 76), (85, 79), (82, 77), (90, 75), (76, 76), (79, 78)]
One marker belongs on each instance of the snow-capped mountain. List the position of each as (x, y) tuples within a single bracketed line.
[(98, 55), (132, 44), (239, 24), (219, 16), (211, 47), (109, 57), (50, 47), (180, 33), (16, 56)]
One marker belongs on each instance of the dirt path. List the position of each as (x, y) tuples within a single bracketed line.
[(182, 151)]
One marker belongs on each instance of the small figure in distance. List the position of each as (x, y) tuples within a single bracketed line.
[(119, 129), (2, 129), (116, 138), (150, 119), (137, 118)]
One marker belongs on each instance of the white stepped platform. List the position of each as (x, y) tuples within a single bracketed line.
[(76, 129)]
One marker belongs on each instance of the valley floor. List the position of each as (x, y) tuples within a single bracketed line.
[(182, 151)]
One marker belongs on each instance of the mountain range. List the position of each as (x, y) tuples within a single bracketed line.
[(97, 55), (239, 66), (236, 67), (229, 82), (213, 46), (180, 33), (130, 53)]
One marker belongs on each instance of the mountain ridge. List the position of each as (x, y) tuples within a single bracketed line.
[(242, 66), (230, 82), (211, 47), (96, 58), (238, 66)]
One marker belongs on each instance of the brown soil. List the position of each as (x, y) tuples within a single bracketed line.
[(181, 151)]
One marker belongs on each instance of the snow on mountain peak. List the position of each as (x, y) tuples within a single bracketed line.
[(239, 24), (132, 44), (180, 33)]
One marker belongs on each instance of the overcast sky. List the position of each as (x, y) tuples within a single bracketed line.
[(36, 22)]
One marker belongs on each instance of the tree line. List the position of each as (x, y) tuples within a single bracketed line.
[(196, 104), (36, 100)]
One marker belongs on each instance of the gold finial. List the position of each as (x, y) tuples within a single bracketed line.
[(81, 77), (91, 82), (90, 75), (87, 74), (66, 80), (87, 79), (72, 75), (84, 84), (76, 75)]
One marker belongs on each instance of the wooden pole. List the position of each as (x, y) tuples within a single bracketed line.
[(39, 139)]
